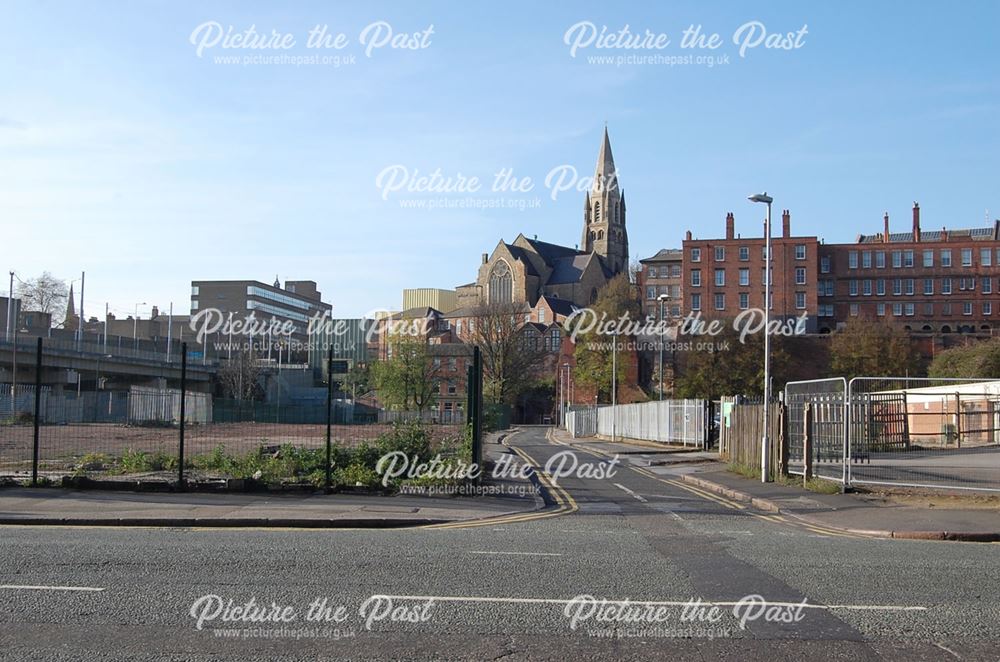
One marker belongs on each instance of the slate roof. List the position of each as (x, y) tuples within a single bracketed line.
[(976, 234)]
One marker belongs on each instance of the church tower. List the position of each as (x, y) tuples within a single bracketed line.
[(604, 230)]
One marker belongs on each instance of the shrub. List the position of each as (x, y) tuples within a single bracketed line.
[(356, 474), (411, 438)]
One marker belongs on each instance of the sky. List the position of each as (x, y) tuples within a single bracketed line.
[(141, 146)]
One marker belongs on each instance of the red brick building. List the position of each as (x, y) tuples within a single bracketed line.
[(938, 281), (725, 277), (658, 275)]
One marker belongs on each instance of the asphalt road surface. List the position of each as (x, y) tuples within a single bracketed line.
[(641, 545)]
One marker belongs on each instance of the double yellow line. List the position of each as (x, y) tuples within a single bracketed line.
[(565, 504)]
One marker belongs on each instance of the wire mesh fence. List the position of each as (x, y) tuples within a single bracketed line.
[(176, 435), (925, 432), (898, 431)]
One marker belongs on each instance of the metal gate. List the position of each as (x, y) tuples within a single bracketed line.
[(828, 431)]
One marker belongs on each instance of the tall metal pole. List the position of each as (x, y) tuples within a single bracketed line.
[(170, 329), (661, 350), (614, 386), (105, 327), (765, 447), (10, 308), (180, 444), (79, 331)]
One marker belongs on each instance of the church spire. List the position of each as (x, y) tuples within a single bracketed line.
[(604, 229), (70, 321), (605, 175)]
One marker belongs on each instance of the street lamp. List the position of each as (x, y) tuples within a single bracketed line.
[(663, 298), (135, 326), (765, 445), (564, 396), (10, 308)]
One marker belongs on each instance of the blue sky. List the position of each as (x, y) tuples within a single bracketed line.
[(127, 155)]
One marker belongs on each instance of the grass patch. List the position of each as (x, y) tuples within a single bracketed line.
[(818, 485)]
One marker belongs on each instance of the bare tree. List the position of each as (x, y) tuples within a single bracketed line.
[(511, 353), (44, 294), (239, 377)]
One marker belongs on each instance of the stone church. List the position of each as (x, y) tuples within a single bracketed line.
[(527, 270)]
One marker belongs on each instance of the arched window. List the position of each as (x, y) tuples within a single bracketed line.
[(593, 235), (501, 284), (600, 234), (597, 212)]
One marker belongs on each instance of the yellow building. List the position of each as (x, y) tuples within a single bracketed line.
[(443, 301)]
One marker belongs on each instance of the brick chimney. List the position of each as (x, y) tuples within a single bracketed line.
[(687, 236), (885, 233), (944, 234), (155, 313), (730, 226), (786, 224), (916, 222)]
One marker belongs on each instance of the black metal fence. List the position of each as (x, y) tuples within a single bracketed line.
[(180, 437)]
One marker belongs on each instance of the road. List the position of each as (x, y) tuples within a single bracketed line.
[(503, 589)]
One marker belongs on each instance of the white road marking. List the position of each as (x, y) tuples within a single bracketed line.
[(948, 650), (655, 603), (625, 489), (517, 553), (15, 587)]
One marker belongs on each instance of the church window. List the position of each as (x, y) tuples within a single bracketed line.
[(501, 284), (597, 212)]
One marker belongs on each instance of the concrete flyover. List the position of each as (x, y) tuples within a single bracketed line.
[(61, 362)]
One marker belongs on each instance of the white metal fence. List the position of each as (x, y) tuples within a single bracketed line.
[(899, 431), (668, 421)]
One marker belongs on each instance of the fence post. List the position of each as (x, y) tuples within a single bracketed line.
[(38, 412), (328, 479), (958, 420), (807, 455), (180, 446), (477, 410), (783, 440)]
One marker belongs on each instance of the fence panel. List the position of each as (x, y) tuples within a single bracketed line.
[(668, 421), (742, 432), (925, 432)]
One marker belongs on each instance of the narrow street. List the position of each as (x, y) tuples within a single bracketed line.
[(503, 588)]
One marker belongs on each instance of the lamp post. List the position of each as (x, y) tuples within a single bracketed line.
[(614, 386), (10, 308), (765, 445), (564, 396), (135, 326), (663, 298)]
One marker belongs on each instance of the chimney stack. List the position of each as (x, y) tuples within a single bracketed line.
[(916, 222), (885, 233), (730, 226), (786, 224), (687, 236), (155, 313)]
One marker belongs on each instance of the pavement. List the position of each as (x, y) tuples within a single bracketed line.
[(855, 513)]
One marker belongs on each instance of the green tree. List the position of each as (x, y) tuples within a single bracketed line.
[(730, 367), (976, 361), (408, 379), (868, 348), (618, 299)]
